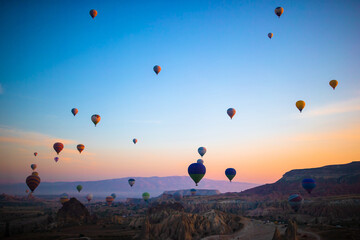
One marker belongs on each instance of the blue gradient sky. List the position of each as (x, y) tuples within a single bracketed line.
[(214, 55)]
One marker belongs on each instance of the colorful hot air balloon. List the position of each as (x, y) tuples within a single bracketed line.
[(134, 140), (113, 195), (74, 111), (33, 181), (202, 151), (56, 159), (157, 69), (131, 182), (80, 148), (300, 105), (95, 119), (231, 112), (146, 196), (279, 11), (93, 13), (178, 196), (270, 35), (109, 200), (196, 172), (295, 202), (33, 166), (308, 184), (79, 187), (64, 199), (230, 173), (193, 191), (35, 154), (58, 147), (89, 197), (333, 83), (200, 161)]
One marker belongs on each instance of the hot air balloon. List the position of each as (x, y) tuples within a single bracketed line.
[(146, 196), (196, 172), (333, 83), (35, 173), (35, 154), (193, 191), (93, 13), (230, 173), (27, 190), (80, 148), (131, 182), (202, 151), (64, 199), (113, 195), (95, 119), (33, 166), (295, 201), (79, 187), (109, 200), (74, 111), (178, 196), (56, 159), (134, 140), (157, 69), (200, 161), (270, 35), (231, 112), (308, 184), (89, 197), (279, 11), (33, 181), (300, 105), (58, 147)]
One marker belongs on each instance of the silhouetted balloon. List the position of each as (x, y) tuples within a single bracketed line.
[(58, 147), (33, 181), (89, 197), (333, 83), (93, 13), (231, 112), (95, 119), (109, 200), (279, 11), (177, 196), (200, 161), (300, 105), (157, 69), (193, 191), (134, 140), (295, 202), (113, 195), (196, 172), (308, 184), (131, 182), (79, 188), (270, 35), (35, 154), (202, 151), (56, 159), (230, 173), (33, 166), (74, 111), (80, 147), (146, 196)]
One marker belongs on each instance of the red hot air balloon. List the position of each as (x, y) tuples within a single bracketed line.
[(58, 147), (33, 181), (80, 147), (35, 154), (93, 13)]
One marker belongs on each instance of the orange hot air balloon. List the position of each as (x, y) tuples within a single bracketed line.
[(33, 182), (134, 140), (279, 11), (58, 147), (300, 105), (93, 13), (35, 154), (109, 200), (95, 119), (74, 111), (333, 83), (157, 69), (270, 35), (231, 112), (80, 147)]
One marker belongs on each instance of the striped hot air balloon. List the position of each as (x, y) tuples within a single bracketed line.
[(58, 147), (193, 191), (33, 181), (295, 202), (230, 173), (80, 147), (308, 184)]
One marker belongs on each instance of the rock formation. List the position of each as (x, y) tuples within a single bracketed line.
[(73, 212)]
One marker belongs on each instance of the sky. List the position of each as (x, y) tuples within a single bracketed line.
[(214, 55)]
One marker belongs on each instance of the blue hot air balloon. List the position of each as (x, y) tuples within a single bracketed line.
[(308, 184), (200, 161), (131, 182), (197, 172), (193, 191), (230, 173), (202, 151)]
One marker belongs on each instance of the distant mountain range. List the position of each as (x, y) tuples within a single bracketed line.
[(154, 185)]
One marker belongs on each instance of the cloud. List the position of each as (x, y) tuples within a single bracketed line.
[(351, 105), (1, 89)]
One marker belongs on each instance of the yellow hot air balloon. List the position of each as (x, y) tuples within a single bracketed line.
[(300, 105), (333, 83)]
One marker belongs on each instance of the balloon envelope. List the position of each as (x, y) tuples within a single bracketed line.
[(33, 182), (113, 195), (308, 184), (146, 196), (300, 105), (79, 188), (279, 11), (33, 166), (230, 173), (89, 197), (231, 112), (93, 13), (295, 201), (35, 154), (109, 200), (74, 111), (193, 191), (56, 159), (131, 182), (270, 35), (202, 151), (58, 147), (80, 147), (95, 119), (333, 83), (157, 69), (134, 140), (200, 161), (196, 172)]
